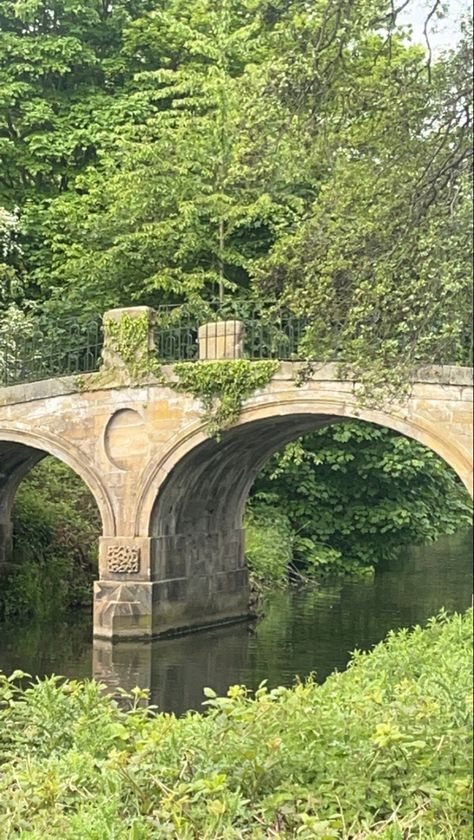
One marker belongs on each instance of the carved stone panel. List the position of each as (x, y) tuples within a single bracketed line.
[(123, 559)]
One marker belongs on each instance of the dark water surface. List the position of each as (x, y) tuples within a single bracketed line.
[(304, 631)]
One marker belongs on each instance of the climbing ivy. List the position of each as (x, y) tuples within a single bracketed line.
[(126, 339), (222, 387)]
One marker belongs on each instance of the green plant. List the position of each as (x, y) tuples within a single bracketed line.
[(56, 529), (222, 387), (269, 542), (355, 492), (127, 343), (381, 750), (128, 338)]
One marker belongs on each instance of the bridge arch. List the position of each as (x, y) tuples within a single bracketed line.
[(199, 481), (22, 450)]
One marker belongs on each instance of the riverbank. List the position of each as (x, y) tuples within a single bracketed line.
[(380, 750)]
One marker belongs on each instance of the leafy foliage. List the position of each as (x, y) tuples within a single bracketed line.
[(55, 544), (269, 540), (286, 762), (183, 149), (222, 387), (354, 492), (381, 257)]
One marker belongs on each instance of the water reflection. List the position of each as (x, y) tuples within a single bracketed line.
[(176, 670), (311, 630), (304, 631)]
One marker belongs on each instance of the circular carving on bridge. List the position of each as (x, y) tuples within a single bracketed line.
[(126, 439)]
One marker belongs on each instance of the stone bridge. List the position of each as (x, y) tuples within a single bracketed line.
[(171, 499)]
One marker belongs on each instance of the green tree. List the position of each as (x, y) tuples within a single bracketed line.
[(8, 247), (57, 526), (169, 214), (65, 90), (381, 261), (355, 492)]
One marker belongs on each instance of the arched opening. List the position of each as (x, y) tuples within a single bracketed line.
[(207, 489), (204, 483), (50, 521), (196, 518)]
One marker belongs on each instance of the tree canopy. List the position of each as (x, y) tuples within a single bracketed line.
[(304, 152)]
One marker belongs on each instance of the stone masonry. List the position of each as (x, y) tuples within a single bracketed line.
[(171, 499)]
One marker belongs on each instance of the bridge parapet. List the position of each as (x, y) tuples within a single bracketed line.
[(170, 497)]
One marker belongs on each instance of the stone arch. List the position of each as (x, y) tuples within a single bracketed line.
[(199, 481), (21, 449)]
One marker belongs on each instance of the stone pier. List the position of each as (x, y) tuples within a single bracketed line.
[(171, 498)]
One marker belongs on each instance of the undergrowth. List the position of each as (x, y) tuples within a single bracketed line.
[(382, 750)]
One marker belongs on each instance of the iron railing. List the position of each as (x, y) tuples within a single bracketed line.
[(268, 334), (36, 350), (32, 351)]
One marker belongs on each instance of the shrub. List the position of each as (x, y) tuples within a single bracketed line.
[(382, 750), (55, 544), (268, 544), (354, 493)]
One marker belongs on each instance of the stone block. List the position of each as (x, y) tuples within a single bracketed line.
[(424, 391), (168, 557), (122, 611), (462, 415), (221, 340)]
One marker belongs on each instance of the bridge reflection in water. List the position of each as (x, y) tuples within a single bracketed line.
[(304, 630), (175, 671)]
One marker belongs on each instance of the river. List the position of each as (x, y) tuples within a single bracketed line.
[(306, 630)]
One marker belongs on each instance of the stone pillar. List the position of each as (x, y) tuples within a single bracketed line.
[(159, 586), (128, 338), (221, 340), (123, 594)]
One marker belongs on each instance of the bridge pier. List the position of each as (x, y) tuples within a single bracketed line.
[(171, 499), (165, 583), (159, 586)]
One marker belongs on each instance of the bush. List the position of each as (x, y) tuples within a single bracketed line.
[(268, 544), (56, 529), (353, 493), (382, 750)]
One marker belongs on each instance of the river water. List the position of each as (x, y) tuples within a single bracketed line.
[(307, 630)]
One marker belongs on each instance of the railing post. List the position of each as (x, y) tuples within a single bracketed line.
[(221, 340), (128, 337)]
